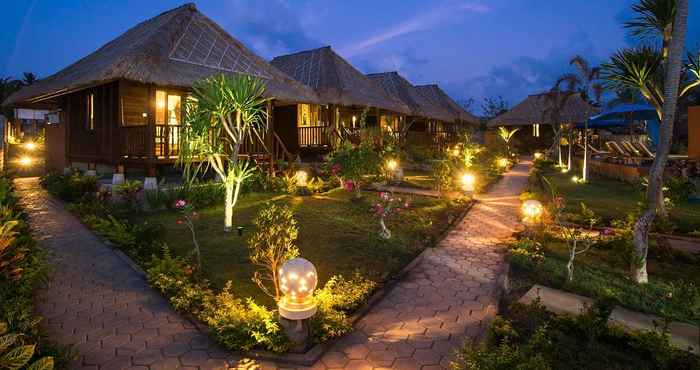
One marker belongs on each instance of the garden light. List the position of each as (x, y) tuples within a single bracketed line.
[(502, 162), (468, 182), (538, 155), (532, 211), (392, 165), (30, 146), (297, 281), (564, 170), (576, 179), (26, 161), (301, 177), (455, 152)]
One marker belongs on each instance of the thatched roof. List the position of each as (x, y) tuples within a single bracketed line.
[(176, 48), (438, 97), (538, 109), (399, 87), (335, 80)]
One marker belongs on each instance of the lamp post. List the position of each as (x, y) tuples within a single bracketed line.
[(394, 171), (297, 281), (302, 179)]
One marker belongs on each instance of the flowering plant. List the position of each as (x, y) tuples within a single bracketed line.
[(386, 206), (188, 217)]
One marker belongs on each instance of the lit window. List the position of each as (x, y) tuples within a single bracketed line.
[(90, 124), (168, 108), (536, 130), (160, 107)]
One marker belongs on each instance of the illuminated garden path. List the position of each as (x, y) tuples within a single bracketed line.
[(98, 303)]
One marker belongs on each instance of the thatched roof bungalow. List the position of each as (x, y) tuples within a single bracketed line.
[(438, 97), (122, 104), (537, 113), (335, 80), (546, 108)]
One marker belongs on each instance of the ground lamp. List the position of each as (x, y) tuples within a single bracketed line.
[(455, 152), (297, 281), (26, 161), (538, 155), (502, 162), (30, 146), (532, 212), (302, 178), (394, 172), (468, 183)]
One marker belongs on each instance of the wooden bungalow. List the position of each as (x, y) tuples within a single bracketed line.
[(537, 113), (440, 98), (344, 93), (428, 123), (122, 105)]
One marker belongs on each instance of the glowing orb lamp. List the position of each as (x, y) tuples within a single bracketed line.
[(297, 281)]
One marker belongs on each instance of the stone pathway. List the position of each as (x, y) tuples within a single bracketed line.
[(96, 302)]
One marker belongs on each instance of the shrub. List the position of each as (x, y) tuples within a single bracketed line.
[(243, 325), (443, 173), (69, 188), (14, 354), (128, 191), (335, 300), (272, 244), (356, 161), (139, 241), (172, 277), (205, 194)]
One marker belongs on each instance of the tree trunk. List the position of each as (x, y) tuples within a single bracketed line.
[(584, 174), (228, 205), (570, 264), (673, 73), (569, 147)]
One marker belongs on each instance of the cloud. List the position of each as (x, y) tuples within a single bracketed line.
[(526, 75), (420, 22), (406, 61), (251, 23)]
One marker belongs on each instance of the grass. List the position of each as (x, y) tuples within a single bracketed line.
[(419, 179), (603, 272), (613, 199), (338, 235)]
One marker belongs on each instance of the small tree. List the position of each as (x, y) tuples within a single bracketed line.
[(507, 135), (225, 113), (272, 244), (355, 162), (189, 215)]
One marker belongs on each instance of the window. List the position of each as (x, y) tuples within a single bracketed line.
[(168, 109), (90, 114), (536, 130), (134, 105), (307, 115)]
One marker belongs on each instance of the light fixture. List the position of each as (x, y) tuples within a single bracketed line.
[(503, 162), (468, 182), (575, 179), (30, 146), (532, 211), (455, 151), (297, 281), (538, 155), (564, 170), (26, 161), (302, 177), (392, 165)]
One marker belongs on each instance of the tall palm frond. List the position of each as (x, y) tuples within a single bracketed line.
[(653, 18), (638, 68)]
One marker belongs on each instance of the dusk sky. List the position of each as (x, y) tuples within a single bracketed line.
[(473, 49)]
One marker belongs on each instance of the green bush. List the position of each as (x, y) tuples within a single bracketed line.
[(335, 300), (15, 354), (356, 161), (531, 338), (69, 188), (444, 175), (137, 240)]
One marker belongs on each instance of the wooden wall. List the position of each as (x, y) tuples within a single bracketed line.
[(96, 145)]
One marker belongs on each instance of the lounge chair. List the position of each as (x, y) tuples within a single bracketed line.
[(633, 150), (645, 149)]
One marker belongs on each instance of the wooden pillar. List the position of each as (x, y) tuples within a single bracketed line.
[(270, 137), (151, 132), (694, 132)]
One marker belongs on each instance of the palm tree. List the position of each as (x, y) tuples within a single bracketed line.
[(586, 82), (654, 18), (507, 135), (224, 113), (29, 78), (671, 87)]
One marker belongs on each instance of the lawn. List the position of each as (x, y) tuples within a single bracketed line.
[(338, 235), (419, 179), (613, 199), (603, 272)]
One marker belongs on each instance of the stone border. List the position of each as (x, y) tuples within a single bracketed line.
[(311, 356)]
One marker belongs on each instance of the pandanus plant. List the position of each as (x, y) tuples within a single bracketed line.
[(224, 113), (506, 135)]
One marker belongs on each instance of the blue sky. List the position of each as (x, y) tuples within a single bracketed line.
[(474, 49)]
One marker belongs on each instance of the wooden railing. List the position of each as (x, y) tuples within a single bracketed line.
[(167, 141), (314, 136)]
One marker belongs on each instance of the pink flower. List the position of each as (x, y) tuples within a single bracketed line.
[(180, 203), (406, 205), (179, 222), (335, 170), (349, 185), (384, 195), (608, 231)]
